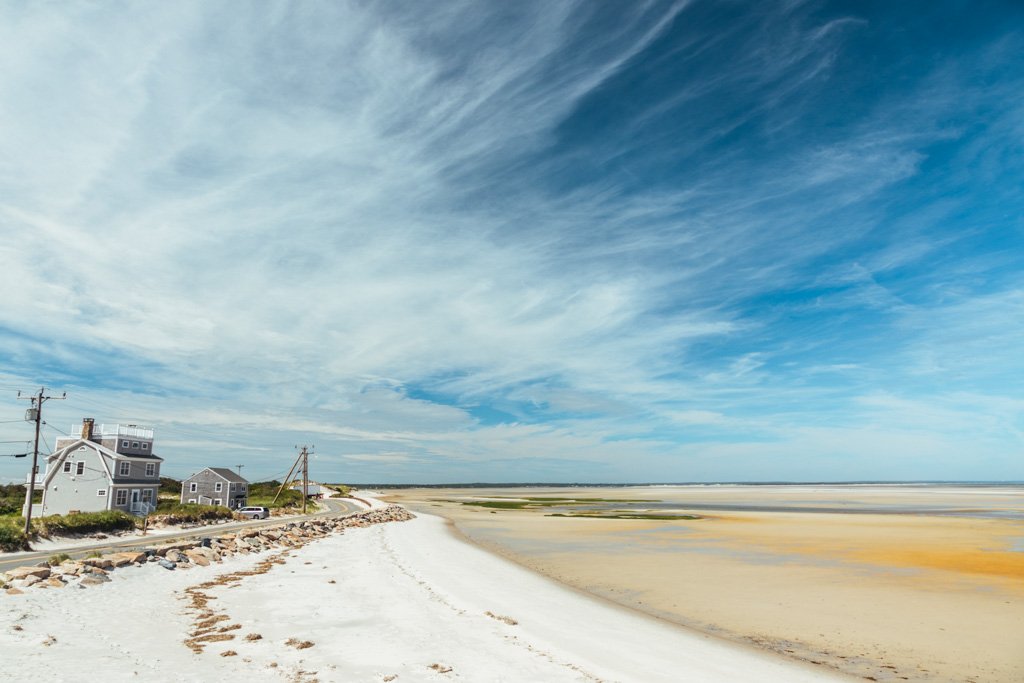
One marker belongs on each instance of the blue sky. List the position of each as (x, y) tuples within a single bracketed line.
[(536, 241)]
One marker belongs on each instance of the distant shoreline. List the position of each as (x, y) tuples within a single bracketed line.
[(512, 485)]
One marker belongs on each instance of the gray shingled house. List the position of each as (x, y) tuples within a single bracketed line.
[(104, 467), (216, 486)]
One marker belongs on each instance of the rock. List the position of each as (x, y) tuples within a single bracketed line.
[(173, 555), (30, 580), (197, 557), (54, 582), (100, 562), (22, 572), (93, 580), (123, 559), (14, 591), (166, 564)]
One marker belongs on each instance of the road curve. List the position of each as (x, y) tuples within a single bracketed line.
[(336, 507)]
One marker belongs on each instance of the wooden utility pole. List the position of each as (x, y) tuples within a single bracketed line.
[(35, 413), (305, 478), (286, 479)]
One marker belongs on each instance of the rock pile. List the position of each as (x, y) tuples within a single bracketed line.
[(93, 571)]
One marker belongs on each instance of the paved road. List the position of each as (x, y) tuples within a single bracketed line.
[(336, 507)]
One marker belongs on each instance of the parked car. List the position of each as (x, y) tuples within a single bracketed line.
[(254, 512)]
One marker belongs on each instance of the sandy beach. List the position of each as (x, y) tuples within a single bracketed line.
[(892, 583), (406, 601)]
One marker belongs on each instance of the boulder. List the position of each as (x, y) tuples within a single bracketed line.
[(167, 564), (94, 580), (197, 557), (54, 582), (30, 580), (100, 562), (131, 557), (23, 572)]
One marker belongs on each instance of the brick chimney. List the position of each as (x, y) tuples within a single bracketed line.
[(87, 423)]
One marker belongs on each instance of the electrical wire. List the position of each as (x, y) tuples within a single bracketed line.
[(56, 429)]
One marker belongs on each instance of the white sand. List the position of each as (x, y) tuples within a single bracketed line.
[(407, 596)]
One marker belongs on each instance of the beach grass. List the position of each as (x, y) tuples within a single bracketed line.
[(534, 502), (626, 515)]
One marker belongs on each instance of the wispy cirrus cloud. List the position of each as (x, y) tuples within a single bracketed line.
[(460, 237)]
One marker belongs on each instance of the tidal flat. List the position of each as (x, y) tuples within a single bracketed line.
[(886, 582)]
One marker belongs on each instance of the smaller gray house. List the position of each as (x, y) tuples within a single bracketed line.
[(216, 486)]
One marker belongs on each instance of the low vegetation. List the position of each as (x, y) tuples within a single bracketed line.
[(12, 498), (57, 559), (262, 494), (539, 502), (169, 488), (83, 523), (625, 515), (12, 536), (173, 512)]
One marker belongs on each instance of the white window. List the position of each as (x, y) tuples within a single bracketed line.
[(147, 495), (67, 465), (218, 487), (150, 469), (122, 497), (191, 500), (80, 469), (145, 446), (124, 468), (124, 444), (192, 488), (101, 492), (217, 501), (135, 444)]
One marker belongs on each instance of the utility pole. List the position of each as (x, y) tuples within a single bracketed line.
[(239, 469), (305, 478), (286, 479), (35, 413)]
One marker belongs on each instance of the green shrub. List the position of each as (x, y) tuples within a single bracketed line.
[(12, 537), (83, 523), (178, 513), (262, 494), (57, 559)]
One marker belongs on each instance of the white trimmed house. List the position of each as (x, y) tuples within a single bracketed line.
[(105, 467), (216, 486)]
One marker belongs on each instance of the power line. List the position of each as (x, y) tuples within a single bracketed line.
[(56, 429)]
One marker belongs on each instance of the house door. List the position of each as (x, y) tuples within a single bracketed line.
[(135, 499)]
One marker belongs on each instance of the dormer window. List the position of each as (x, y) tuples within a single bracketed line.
[(135, 444), (124, 444), (124, 468), (145, 446)]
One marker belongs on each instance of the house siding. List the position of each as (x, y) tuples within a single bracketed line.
[(206, 483), (136, 471), (67, 491)]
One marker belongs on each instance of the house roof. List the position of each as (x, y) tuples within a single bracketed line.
[(102, 449), (225, 473)]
